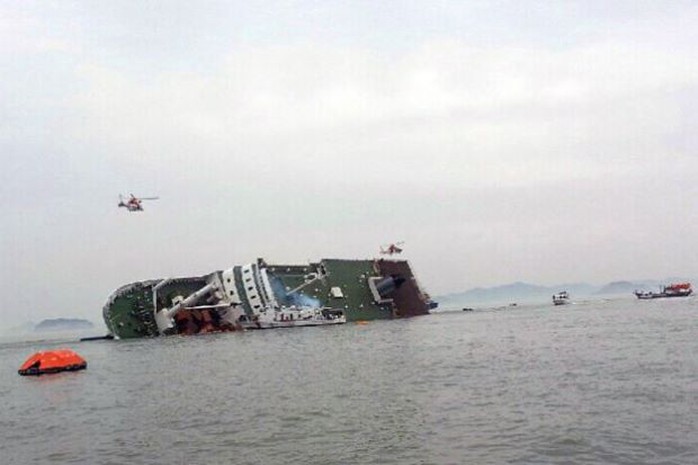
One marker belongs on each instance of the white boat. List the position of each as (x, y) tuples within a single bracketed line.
[(291, 317), (561, 298)]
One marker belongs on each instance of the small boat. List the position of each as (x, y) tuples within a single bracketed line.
[(52, 361), (293, 316), (672, 290), (561, 298)]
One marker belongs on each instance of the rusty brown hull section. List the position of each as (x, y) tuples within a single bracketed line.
[(408, 299)]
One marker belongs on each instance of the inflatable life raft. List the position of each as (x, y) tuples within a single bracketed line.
[(52, 361)]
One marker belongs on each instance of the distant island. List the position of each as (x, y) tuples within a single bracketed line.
[(526, 292), (63, 324), (623, 287)]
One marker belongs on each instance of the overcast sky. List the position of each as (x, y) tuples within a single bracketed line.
[(539, 141)]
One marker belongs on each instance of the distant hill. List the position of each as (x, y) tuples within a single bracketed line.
[(514, 292), (63, 324), (628, 287), (519, 291), (621, 287)]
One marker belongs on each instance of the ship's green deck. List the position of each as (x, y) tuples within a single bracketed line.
[(351, 276), (130, 314)]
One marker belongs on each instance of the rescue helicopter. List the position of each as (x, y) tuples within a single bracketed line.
[(392, 249), (134, 204)]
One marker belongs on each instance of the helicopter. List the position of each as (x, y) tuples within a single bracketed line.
[(133, 204), (392, 249)]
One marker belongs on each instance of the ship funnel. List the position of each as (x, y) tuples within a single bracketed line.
[(382, 288), (388, 285)]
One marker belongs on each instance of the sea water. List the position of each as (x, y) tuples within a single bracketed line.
[(599, 382)]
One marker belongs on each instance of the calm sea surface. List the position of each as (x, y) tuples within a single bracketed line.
[(605, 382)]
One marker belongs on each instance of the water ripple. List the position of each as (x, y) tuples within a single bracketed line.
[(609, 382)]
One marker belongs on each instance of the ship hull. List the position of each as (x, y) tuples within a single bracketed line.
[(362, 289), (662, 295)]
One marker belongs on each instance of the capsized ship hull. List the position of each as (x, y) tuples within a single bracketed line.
[(362, 289)]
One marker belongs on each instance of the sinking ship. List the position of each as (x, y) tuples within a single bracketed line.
[(219, 301)]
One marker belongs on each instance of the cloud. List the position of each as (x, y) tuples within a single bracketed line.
[(492, 140), (447, 110)]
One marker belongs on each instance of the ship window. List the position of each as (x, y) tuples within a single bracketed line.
[(232, 292), (256, 306), (228, 279), (247, 270), (249, 288), (254, 297)]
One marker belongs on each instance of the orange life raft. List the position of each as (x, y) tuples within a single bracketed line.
[(52, 361)]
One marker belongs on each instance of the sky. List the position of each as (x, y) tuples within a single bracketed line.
[(502, 140)]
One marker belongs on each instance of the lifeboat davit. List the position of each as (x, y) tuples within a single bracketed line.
[(52, 361)]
